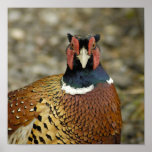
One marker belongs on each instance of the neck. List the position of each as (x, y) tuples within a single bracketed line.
[(85, 78)]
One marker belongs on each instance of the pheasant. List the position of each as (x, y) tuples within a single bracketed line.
[(80, 106)]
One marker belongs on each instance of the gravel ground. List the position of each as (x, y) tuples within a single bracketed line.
[(37, 42)]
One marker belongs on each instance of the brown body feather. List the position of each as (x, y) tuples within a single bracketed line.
[(60, 118)]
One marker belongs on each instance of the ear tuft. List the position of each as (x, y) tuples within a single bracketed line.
[(97, 37), (69, 37)]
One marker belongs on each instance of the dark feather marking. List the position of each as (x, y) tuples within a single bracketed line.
[(36, 141), (45, 126), (39, 117), (42, 140), (39, 128), (35, 108), (60, 139), (47, 104), (30, 139), (40, 100), (49, 137), (34, 126), (50, 120)]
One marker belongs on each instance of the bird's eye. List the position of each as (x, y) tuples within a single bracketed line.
[(72, 46), (94, 45)]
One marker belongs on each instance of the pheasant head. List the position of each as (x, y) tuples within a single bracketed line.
[(84, 70), (83, 52)]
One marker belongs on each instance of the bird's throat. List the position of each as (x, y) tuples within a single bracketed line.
[(85, 78)]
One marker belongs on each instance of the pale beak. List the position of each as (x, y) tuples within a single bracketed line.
[(83, 57)]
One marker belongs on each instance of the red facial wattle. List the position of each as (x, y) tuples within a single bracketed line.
[(71, 52), (90, 44), (70, 56), (75, 44), (95, 51), (96, 58)]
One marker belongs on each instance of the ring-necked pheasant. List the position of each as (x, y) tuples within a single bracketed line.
[(80, 106)]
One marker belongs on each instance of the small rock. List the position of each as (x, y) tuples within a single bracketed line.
[(40, 40), (49, 17), (14, 15), (54, 40), (17, 34), (111, 30)]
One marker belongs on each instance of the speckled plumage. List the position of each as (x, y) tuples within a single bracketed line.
[(61, 118), (44, 113)]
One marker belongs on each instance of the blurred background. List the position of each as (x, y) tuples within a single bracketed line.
[(36, 48)]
